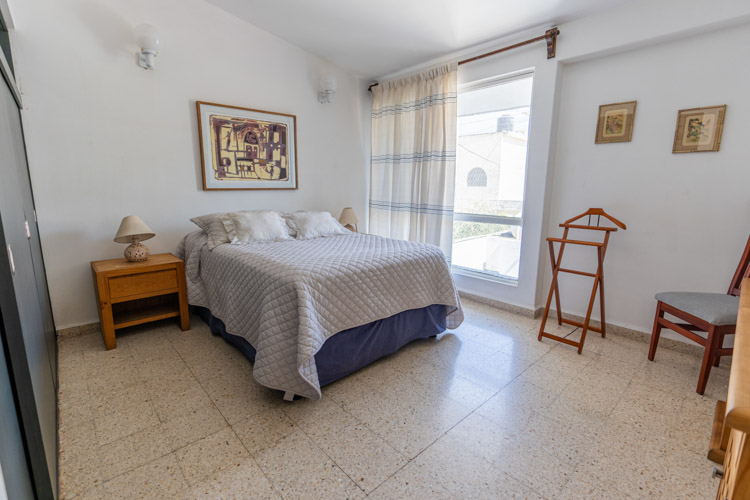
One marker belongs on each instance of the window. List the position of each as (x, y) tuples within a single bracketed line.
[(493, 129), (476, 177), (5, 44)]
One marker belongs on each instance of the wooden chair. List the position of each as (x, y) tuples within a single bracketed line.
[(714, 313)]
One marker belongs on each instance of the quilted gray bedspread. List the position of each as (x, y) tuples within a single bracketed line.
[(286, 298)]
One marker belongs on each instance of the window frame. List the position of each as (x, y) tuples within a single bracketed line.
[(6, 63), (495, 219)]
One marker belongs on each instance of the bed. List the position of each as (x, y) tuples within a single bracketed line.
[(308, 312)]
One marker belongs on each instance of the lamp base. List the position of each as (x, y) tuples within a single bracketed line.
[(137, 252)]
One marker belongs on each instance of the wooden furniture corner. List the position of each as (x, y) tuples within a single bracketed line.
[(735, 481), (132, 293)]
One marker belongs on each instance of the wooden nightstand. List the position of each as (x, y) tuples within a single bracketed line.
[(131, 293)]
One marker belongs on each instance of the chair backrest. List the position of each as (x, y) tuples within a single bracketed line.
[(743, 271)]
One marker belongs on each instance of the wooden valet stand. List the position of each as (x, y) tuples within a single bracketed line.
[(601, 249)]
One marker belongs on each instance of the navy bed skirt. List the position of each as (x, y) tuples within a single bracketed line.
[(355, 348)]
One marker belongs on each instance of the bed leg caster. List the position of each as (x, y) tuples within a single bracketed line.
[(288, 396)]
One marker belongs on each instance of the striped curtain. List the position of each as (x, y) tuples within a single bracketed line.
[(413, 164)]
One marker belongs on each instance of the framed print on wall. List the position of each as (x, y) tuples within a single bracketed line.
[(699, 129), (615, 122), (244, 148)]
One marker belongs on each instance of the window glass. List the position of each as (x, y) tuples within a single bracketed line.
[(493, 129)]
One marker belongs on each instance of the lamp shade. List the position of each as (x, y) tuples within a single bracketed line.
[(132, 229), (348, 217), (328, 83), (148, 37)]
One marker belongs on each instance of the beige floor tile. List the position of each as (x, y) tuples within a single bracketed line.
[(467, 475), (481, 436), (263, 429), (99, 361), (78, 440), (74, 406), (537, 469), (413, 482), (409, 425), (179, 399), (299, 469), (161, 478), (119, 377), (78, 473), (193, 425), (164, 371), (106, 402), (70, 366), (244, 481), (364, 456), (564, 437), (579, 487), (240, 398), (512, 407), (88, 342), (132, 451), (96, 493), (547, 376), (462, 390), (119, 424), (214, 453)]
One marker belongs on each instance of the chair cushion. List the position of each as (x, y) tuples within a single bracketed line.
[(716, 308)]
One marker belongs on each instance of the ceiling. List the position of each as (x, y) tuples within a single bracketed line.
[(375, 38)]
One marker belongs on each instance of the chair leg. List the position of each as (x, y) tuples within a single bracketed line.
[(656, 332), (719, 345), (712, 345)]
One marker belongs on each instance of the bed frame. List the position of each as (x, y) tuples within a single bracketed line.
[(349, 350)]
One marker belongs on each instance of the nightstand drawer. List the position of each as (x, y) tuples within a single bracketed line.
[(137, 284)]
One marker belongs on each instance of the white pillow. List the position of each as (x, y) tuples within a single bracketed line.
[(247, 227), (316, 225)]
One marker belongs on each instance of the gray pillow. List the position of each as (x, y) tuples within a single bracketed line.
[(213, 226)]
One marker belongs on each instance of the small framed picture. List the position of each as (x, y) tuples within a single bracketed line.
[(699, 129), (615, 122)]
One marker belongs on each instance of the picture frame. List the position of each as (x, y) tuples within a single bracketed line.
[(698, 130), (245, 148), (615, 122)]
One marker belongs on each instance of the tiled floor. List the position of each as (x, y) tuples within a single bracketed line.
[(484, 411)]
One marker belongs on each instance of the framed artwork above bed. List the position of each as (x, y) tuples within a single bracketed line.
[(244, 148)]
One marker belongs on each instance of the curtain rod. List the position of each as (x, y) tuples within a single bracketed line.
[(550, 36)]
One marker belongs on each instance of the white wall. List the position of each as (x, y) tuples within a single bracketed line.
[(686, 213), (107, 139)]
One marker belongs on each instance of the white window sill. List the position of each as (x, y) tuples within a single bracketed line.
[(461, 271)]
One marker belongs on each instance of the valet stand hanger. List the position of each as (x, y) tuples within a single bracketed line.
[(601, 249)]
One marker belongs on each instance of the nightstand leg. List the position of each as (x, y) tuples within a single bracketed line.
[(108, 327), (106, 321), (184, 312), (109, 338)]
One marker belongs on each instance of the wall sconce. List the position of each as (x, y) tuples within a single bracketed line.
[(148, 40), (328, 87)]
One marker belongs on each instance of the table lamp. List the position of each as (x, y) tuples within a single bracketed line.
[(133, 230), (349, 219)]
